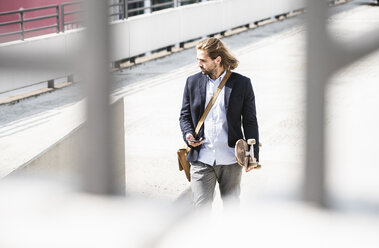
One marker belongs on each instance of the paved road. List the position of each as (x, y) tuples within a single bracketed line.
[(273, 57)]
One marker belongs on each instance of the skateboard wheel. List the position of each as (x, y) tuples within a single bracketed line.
[(251, 141), (240, 152)]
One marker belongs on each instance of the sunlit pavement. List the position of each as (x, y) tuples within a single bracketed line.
[(273, 57), (34, 214)]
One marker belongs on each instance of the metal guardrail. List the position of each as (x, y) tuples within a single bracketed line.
[(67, 14), (22, 20), (136, 7)]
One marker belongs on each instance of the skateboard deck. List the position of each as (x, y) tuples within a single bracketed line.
[(243, 153)]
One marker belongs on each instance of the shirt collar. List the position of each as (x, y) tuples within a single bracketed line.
[(219, 78)]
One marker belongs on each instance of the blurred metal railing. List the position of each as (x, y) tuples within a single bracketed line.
[(325, 57), (98, 163)]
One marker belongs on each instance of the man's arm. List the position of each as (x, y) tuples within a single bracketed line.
[(249, 118), (185, 115)]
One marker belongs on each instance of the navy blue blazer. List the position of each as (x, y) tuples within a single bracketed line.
[(239, 105)]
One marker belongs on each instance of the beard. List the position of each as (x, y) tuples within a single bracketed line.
[(209, 71), (205, 72)]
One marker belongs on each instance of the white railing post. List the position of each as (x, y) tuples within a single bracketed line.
[(147, 5)]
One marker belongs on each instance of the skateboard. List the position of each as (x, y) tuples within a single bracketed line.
[(243, 154)]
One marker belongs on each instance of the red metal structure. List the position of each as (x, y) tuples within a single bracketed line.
[(47, 18)]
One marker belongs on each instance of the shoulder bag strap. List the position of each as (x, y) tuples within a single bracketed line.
[(212, 101)]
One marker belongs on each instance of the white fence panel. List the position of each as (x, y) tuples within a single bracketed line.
[(153, 31), (120, 43), (200, 20)]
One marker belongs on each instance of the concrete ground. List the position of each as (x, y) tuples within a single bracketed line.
[(273, 56), (38, 214)]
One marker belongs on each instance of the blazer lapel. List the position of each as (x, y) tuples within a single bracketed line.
[(203, 88), (228, 91)]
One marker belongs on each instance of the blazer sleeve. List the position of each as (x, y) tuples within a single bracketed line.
[(185, 114), (249, 117)]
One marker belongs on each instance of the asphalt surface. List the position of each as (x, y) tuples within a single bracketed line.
[(273, 56)]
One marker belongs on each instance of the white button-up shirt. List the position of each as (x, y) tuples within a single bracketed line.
[(215, 149)]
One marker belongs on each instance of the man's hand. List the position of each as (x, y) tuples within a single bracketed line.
[(193, 144), (250, 168)]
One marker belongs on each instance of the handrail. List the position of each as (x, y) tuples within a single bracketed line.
[(40, 18), (28, 10), (41, 28), (9, 23), (153, 6), (40, 8), (10, 34)]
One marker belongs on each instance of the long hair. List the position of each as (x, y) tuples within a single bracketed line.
[(215, 47)]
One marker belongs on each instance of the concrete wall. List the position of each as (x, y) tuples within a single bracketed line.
[(63, 159), (140, 34), (39, 57), (144, 33)]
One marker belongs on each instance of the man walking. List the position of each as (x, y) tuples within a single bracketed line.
[(232, 117)]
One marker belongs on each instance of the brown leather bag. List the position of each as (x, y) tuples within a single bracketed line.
[(182, 153), (183, 163)]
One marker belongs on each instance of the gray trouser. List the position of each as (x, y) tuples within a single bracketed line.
[(203, 182)]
